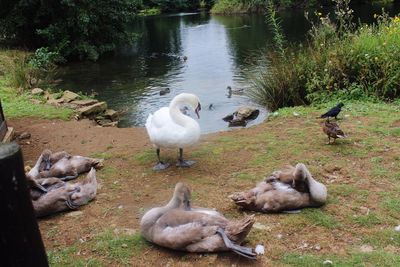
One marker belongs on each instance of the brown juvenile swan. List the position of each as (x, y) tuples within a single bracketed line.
[(181, 227), (69, 167), (66, 196), (284, 191), (62, 165)]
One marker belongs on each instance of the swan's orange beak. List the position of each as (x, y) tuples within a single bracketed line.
[(197, 110)]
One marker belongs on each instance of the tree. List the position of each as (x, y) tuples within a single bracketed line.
[(81, 29)]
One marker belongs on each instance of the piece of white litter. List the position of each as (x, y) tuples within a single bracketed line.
[(328, 262), (259, 250), (397, 228), (296, 114)]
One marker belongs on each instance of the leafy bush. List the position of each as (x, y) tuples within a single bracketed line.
[(177, 5), (238, 6), (26, 70), (81, 29), (337, 61), (249, 6)]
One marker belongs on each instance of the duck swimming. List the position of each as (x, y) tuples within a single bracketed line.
[(168, 127), (179, 226), (287, 190)]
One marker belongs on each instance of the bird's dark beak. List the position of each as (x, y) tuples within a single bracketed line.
[(186, 205), (197, 110), (48, 165), (36, 185)]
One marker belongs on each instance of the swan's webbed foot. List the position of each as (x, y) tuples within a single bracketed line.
[(67, 178), (161, 166), (39, 186), (242, 251), (185, 163)]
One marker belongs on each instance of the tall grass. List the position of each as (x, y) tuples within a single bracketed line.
[(337, 61), (25, 70)]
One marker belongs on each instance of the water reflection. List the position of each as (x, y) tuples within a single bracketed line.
[(133, 77), (216, 48)]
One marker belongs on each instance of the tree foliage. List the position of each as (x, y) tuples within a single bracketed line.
[(81, 29), (177, 5)]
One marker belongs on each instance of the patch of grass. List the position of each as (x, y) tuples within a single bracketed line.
[(109, 147), (295, 221), (379, 171), (20, 105), (349, 191), (344, 190), (67, 257), (367, 220), (383, 238), (145, 156), (320, 217), (392, 204), (108, 171), (101, 155), (204, 151), (375, 258), (245, 176), (119, 248), (52, 232)]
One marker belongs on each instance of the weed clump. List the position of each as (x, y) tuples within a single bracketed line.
[(338, 61)]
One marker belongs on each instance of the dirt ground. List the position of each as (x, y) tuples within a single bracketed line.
[(128, 187)]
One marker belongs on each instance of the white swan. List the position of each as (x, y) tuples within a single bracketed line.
[(168, 127)]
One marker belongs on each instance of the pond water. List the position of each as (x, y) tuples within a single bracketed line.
[(216, 48)]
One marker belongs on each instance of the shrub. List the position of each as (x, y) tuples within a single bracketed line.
[(238, 6), (337, 61), (81, 29), (26, 70)]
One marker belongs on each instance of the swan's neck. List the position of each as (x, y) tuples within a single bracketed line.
[(34, 172), (151, 217), (318, 191), (173, 203), (177, 116)]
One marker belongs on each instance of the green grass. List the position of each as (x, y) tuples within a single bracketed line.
[(107, 171), (119, 248), (375, 258), (320, 217), (101, 155), (367, 220), (145, 156), (383, 238), (392, 205), (20, 105), (245, 176), (67, 257)]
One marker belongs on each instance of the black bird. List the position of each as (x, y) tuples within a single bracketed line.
[(333, 112)]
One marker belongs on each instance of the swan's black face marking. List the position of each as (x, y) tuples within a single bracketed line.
[(198, 108), (186, 205)]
